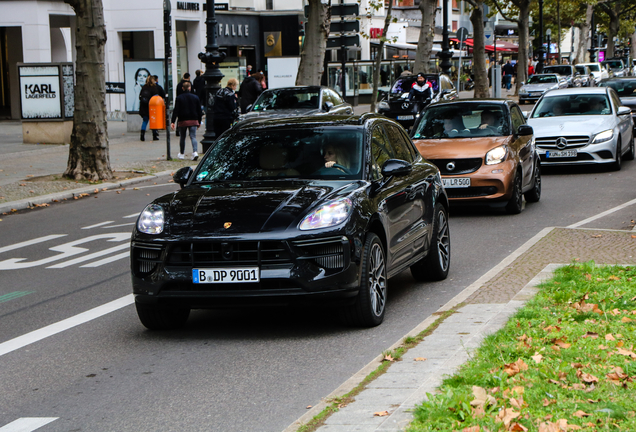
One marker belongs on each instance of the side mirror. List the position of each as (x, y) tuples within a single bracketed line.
[(382, 94), (624, 110), (525, 130), (182, 176), (327, 106), (396, 167), (249, 108)]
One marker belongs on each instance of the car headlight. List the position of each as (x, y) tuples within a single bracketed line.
[(328, 215), (496, 155), (523, 90), (383, 105), (151, 220), (603, 136)]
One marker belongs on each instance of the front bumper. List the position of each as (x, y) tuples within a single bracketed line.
[(590, 154), (299, 270), (489, 184), (529, 97)]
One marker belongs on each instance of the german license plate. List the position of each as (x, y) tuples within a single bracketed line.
[(406, 117), (456, 182), (560, 153), (226, 275)]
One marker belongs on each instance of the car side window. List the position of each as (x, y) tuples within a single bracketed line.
[(398, 143), (380, 152), (615, 99), (517, 118)]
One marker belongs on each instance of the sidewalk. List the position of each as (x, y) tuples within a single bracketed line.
[(481, 309)]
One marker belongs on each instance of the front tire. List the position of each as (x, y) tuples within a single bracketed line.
[(515, 205), (435, 265), (632, 152), (617, 165), (370, 305), (155, 317), (534, 194)]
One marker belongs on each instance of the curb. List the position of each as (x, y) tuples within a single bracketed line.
[(26, 203), (357, 378)]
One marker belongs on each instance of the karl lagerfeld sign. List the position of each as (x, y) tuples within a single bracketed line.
[(40, 92)]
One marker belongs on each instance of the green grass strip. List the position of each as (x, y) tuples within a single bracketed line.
[(565, 361), (340, 402), (13, 295)]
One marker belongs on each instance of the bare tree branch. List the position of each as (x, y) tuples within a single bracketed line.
[(503, 14)]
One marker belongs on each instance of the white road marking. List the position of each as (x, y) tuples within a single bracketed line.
[(27, 424), (603, 214), (117, 226), (108, 260), (60, 326), (67, 250), (131, 215), (157, 185), (98, 225), (91, 256), (31, 242)]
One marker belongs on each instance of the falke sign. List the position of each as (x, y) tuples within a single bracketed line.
[(188, 6), (41, 91)]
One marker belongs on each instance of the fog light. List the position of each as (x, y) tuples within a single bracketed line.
[(499, 171)]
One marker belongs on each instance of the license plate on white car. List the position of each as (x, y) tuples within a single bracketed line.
[(406, 117), (560, 153), (226, 275), (456, 182)]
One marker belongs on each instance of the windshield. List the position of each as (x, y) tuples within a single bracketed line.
[(403, 85), (561, 70), (572, 105), (594, 68), (624, 87), (580, 69), (285, 153), (288, 99), (463, 120), (614, 64), (542, 79)]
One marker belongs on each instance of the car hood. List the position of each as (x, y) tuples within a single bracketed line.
[(539, 87), (458, 148), (570, 125), (280, 113), (250, 207)]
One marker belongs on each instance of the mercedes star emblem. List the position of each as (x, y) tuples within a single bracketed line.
[(450, 166), (561, 143), (406, 105)]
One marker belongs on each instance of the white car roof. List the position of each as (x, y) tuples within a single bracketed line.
[(577, 91)]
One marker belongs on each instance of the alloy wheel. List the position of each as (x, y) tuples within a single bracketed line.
[(377, 280), (443, 241)]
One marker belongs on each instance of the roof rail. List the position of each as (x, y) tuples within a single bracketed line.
[(368, 115)]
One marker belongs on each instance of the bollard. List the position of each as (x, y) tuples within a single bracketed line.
[(157, 112)]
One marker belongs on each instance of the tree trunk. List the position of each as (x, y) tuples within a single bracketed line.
[(613, 13), (88, 157), (312, 56), (378, 57), (633, 47), (427, 33), (479, 51), (582, 55), (559, 35), (524, 37)]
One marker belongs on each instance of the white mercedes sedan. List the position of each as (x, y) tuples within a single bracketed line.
[(581, 126)]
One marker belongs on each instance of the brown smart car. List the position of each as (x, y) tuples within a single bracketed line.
[(484, 150)]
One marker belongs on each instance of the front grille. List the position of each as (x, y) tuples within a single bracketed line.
[(327, 253), (471, 192), (201, 254), (549, 143), (145, 257), (462, 166)]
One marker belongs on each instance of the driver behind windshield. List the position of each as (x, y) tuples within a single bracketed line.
[(488, 121), (335, 155)]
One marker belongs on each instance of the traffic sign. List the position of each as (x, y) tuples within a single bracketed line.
[(462, 34), (336, 41), (344, 27), (489, 31)]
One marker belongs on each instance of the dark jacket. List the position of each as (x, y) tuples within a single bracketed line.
[(508, 69), (249, 92), (146, 93), (225, 106), (420, 93), (180, 86), (199, 86), (187, 106)]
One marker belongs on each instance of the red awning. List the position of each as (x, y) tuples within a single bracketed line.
[(468, 42), (491, 48)]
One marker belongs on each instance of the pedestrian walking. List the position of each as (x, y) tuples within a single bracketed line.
[(149, 90), (185, 79), (508, 71), (225, 108), (198, 85), (187, 108), (250, 90)]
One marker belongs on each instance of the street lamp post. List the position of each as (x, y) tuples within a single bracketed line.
[(540, 50), (592, 50), (213, 76), (548, 33), (445, 55), (167, 85)]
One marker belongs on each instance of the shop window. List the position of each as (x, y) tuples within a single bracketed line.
[(138, 45), (454, 26), (269, 4)]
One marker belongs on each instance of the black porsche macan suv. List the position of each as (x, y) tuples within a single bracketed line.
[(300, 209)]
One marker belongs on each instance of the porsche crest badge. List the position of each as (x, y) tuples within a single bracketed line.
[(226, 225)]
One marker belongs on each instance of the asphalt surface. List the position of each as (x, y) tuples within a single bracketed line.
[(239, 370)]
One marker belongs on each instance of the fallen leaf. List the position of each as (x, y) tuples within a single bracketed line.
[(547, 402), (506, 415), (482, 398), (513, 369), (591, 335), (472, 429), (581, 414), (381, 414), (576, 365), (309, 406), (614, 278), (517, 427), (597, 236), (626, 320), (388, 357), (586, 377), (625, 352), (420, 359), (609, 337)]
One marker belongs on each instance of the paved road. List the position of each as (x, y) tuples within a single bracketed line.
[(239, 370)]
